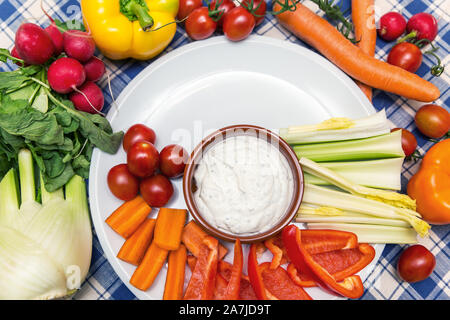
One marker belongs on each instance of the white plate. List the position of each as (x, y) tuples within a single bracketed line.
[(214, 83)]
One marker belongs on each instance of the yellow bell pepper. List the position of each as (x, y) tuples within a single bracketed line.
[(124, 28)]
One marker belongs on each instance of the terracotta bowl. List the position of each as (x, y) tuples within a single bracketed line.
[(189, 186)]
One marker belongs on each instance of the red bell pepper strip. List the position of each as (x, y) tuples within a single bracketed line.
[(234, 283), (280, 285), (202, 283), (275, 246), (340, 263), (315, 241), (224, 269), (350, 287), (318, 241), (254, 273), (220, 288)]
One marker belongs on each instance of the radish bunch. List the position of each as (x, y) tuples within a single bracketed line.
[(74, 70)]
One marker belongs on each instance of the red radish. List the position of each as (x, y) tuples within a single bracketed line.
[(65, 74), (54, 33), (79, 45), (392, 25), (57, 38), (95, 69), (88, 98), (422, 26), (33, 44), (15, 54)]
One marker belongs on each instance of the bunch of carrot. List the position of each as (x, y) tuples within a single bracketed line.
[(358, 60)]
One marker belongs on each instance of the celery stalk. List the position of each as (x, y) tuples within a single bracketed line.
[(337, 129), (378, 147), (383, 174), (319, 196), (390, 197), (372, 233), (308, 214)]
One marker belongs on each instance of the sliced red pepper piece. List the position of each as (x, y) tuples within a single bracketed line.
[(254, 273), (225, 269), (202, 283), (220, 288), (315, 241), (340, 263), (350, 287), (319, 241), (280, 285), (275, 246), (234, 283)]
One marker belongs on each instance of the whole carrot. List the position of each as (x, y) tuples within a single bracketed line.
[(323, 36), (363, 17)]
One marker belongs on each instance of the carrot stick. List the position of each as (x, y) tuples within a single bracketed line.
[(169, 226), (193, 236), (363, 16), (128, 217), (323, 36), (173, 289), (133, 249), (149, 268)]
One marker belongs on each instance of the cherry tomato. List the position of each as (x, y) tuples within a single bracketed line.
[(238, 24), (416, 263), (186, 7), (225, 6), (173, 159), (260, 8), (433, 121), (409, 141), (137, 133), (156, 190), (406, 56), (199, 25), (122, 183), (143, 159)]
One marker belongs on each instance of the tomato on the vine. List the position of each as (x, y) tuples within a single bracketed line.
[(238, 24), (433, 121), (259, 7), (225, 6), (199, 24), (186, 7), (406, 56)]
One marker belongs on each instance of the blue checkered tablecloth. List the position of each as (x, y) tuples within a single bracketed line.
[(383, 283)]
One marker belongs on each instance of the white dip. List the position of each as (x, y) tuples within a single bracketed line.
[(245, 185)]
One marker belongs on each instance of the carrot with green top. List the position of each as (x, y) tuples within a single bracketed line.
[(375, 73), (363, 17)]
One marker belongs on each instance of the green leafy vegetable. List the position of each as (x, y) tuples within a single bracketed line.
[(60, 137)]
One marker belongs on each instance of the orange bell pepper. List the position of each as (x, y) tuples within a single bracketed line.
[(430, 186)]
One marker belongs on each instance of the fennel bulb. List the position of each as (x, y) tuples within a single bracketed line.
[(45, 248)]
